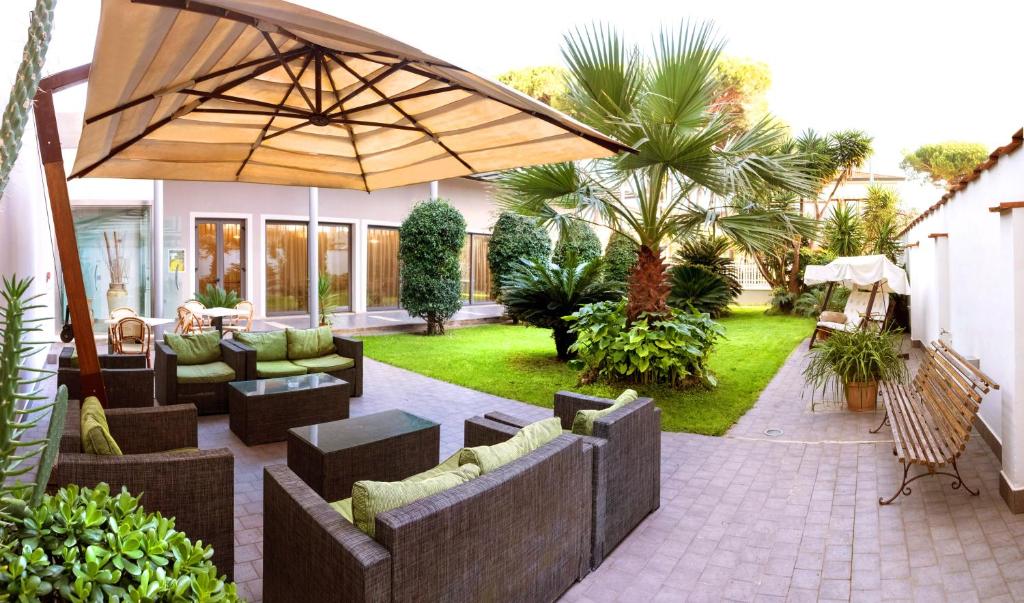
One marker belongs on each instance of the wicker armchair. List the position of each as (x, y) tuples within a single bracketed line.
[(519, 533), (197, 488), (626, 461), (127, 379), (343, 346), (209, 398)]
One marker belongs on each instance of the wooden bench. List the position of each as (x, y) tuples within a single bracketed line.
[(932, 416)]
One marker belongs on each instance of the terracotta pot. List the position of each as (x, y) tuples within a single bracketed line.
[(861, 396)]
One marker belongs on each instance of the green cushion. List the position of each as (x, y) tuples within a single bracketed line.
[(583, 422), (344, 507), (96, 438), (372, 498), (269, 346), (449, 464), (200, 348), (303, 343), (526, 440), (325, 364), (211, 372), (325, 341), (278, 368)]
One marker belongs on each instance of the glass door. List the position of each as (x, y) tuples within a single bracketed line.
[(476, 271), (381, 268), (287, 268), (220, 255)]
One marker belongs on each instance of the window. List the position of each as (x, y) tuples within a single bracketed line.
[(381, 268), (288, 265), (220, 255), (476, 272)]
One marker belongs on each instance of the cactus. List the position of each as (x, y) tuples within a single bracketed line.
[(24, 89), (20, 394)]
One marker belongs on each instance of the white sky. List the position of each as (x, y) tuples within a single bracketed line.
[(907, 72)]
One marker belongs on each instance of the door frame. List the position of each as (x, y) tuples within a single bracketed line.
[(190, 256), (380, 225), (219, 235)]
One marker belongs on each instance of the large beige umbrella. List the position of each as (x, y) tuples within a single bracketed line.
[(266, 91)]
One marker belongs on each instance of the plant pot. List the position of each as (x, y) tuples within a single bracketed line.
[(861, 396), (117, 297)]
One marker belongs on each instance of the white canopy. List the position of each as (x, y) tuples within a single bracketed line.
[(862, 271)]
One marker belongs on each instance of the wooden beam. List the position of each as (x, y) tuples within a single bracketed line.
[(367, 84), (284, 65), (395, 99), (64, 228), (1006, 206), (938, 235), (348, 128)]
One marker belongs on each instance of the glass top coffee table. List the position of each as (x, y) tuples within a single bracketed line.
[(262, 410), (385, 446)]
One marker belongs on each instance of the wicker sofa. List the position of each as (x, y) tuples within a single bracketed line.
[(195, 487), (210, 397), (518, 533), (626, 461), (349, 350), (126, 378)]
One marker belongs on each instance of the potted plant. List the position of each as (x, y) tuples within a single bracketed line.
[(858, 360), (328, 299)]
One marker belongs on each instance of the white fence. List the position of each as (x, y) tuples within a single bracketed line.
[(750, 276)]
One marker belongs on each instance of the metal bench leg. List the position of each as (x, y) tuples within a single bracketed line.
[(960, 482), (904, 488), (885, 421)]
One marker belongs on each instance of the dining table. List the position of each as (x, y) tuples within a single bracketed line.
[(216, 315)]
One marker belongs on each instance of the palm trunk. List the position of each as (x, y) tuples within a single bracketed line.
[(794, 280), (648, 284), (563, 340)]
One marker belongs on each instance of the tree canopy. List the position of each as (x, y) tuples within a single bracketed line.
[(945, 162), (741, 85), (545, 83)]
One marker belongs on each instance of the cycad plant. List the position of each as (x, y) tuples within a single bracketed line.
[(704, 277), (691, 160), (21, 402), (542, 294), (218, 297)]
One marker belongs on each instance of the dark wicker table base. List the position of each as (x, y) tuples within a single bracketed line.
[(267, 418), (386, 446)]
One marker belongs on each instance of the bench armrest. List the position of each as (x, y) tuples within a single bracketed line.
[(568, 403), (154, 429), (165, 370), (238, 356), (482, 431)]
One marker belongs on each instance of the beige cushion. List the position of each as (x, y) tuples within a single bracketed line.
[(829, 316), (583, 422), (526, 440), (369, 498)]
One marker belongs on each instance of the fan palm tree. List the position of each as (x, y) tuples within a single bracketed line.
[(690, 164), (848, 149)]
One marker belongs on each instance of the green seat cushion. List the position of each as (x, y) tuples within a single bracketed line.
[(308, 343), (583, 422), (526, 440), (96, 438), (325, 364), (344, 507), (372, 498), (211, 372), (186, 450), (278, 368), (200, 348), (269, 346)]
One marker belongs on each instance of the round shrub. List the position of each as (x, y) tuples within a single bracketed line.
[(515, 238), (671, 348), (429, 243), (579, 240), (619, 258), (84, 544)]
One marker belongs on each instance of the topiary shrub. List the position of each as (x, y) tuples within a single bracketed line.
[(515, 238), (619, 258), (576, 239), (84, 544), (429, 243), (671, 348)]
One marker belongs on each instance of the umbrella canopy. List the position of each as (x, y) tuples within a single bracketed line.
[(269, 92), (862, 271)]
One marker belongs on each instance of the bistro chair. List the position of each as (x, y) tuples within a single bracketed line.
[(117, 314), (242, 322), (194, 306), (132, 336)]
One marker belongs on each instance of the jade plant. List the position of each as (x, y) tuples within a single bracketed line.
[(87, 544)]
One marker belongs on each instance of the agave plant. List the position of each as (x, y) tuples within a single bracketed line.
[(542, 294), (844, 231), (218, 297), (20, 394), (328, 298)]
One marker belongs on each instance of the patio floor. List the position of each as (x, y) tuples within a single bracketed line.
[(743, 517)]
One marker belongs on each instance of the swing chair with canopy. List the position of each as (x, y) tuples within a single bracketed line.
[(866, 276)]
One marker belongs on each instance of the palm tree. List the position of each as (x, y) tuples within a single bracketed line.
[(848, 149), (690, 162)]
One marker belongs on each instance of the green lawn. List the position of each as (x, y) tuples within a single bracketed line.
[(519, 363)]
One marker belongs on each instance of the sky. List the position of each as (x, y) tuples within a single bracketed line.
[(907, 72)]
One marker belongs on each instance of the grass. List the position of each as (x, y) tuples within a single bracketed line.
[(519, 363)]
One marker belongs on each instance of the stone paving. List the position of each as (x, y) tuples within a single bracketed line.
[(745, 517)]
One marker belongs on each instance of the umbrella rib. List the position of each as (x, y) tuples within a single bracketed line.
[(288, 69), (406, 115), (366, 84), (247, 112), (397, 99), (262, 61), (348, 127), (375, 124), (277, 133), (263, 133), (247, 101)]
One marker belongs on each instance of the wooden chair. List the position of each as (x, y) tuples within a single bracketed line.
[(194, 306), (242, 322), (132, 336), (117, 314)]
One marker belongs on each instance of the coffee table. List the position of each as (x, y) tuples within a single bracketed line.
[(262, 410), (385, 446)]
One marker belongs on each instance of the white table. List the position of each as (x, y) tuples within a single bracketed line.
[(149, 320), (216, 315)]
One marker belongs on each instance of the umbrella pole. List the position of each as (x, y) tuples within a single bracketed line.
[(64, 226), (871, 303)]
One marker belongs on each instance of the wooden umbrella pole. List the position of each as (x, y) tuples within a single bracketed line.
[(64, 226)]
